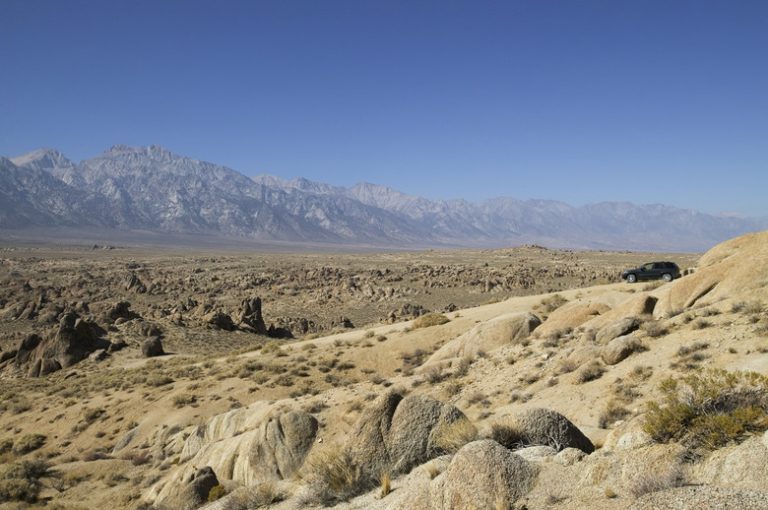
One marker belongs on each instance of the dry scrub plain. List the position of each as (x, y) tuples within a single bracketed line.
[(517, 378)]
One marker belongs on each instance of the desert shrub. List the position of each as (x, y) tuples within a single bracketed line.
[(566, 366), (654, 329), (753, 307), (449, 437), (710, 409), (6, 445), (656, 478), (137, 457), (21, 481), (435, 375), (685, 350), (216, 493), (508, 436), (430, 319), (590, 372), (613, 412), (333, 475), (156, 380), (552, 303), (701, 324), (28, 443), (184, 399), (260, 496)]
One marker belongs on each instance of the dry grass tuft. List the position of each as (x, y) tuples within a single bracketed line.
[(333, 475), (452, 436), (594, 370), (261, 496), (430, 319), (656, 478)]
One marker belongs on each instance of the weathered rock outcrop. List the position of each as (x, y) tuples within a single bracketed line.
[(193, 491), (482, 474), (546, 427), (74, 340), (247, 446), (735, 267), (250, 314), (397, 433), (616, 329), (152, 347), (620, 349), (503, 330)]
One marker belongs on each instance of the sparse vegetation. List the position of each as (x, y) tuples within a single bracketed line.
[(249, 498), (28, 443), (709, 409), (452, 436), (333, 475), (613, 412), (551, 303), (430, 319), (594, 370), (656, 478), (21, 481)]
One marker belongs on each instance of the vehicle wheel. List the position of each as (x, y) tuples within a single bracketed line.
[(666, 277), (631, 278)]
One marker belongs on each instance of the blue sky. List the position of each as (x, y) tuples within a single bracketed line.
[(581, 101)]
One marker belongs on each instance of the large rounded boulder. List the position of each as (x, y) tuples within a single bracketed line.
[(504, 330), (397, 433), (546, 427), (483, 474)]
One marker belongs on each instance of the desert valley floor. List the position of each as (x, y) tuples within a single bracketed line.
[(512, 378)]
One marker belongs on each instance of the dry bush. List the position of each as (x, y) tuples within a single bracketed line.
[(710, 409), (332, 475), (184, 399), (449, 437), (594, 370), (261, 496), (507, 435), (613, 412), (701, 324), (551, 303), (28, 443), (21, 481), (566, 366), (685, 350), (430, 319), (654, 329), (435, 375), (656, 478)]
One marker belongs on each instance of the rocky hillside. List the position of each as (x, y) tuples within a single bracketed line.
[(152, 189), (612, 396)]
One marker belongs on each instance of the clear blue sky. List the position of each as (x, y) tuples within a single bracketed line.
[(581, 101)]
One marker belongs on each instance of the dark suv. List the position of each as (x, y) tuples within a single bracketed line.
[(667, 271)]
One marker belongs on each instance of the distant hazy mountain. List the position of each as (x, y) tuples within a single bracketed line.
[(149, 188)]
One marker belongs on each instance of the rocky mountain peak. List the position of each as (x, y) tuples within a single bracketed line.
[(43, 159)]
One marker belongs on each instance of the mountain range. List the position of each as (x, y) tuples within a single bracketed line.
[(129, 189)]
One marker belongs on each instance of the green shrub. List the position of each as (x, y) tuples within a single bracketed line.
[(710, 409), (216, 493), (430, 319)]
